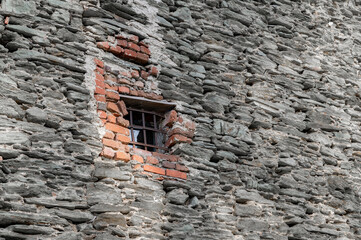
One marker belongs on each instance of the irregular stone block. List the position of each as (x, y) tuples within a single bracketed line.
[(13, 137)]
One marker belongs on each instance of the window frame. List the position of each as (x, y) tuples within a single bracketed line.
[(157, 147)]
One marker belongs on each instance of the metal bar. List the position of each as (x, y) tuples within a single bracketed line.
[(147, 128), (144, 131), (148, 145), (145, 111), (131, 124)]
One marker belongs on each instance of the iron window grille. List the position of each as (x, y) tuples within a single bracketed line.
[(145, 130)]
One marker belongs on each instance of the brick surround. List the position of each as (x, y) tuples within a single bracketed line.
[(111, 110)]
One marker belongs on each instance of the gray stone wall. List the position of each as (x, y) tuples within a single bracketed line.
[(273, 87)]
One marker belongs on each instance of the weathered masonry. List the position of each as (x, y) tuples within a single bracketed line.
[(167, 119)]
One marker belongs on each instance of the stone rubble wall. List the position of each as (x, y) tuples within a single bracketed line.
[(272, 87)]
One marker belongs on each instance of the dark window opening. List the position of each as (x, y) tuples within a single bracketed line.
[(145, 130)]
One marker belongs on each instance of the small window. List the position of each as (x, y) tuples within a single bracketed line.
[(145, 117), (145, 130)]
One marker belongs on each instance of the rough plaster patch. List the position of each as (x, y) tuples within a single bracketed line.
[(156, 43), (89, 83)]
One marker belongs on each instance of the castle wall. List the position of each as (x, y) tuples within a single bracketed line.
[(264, 139)]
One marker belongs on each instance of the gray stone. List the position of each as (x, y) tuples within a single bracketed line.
[(36, 115), (177, 196), (14, 137), (20, 6), (11, 218), (10, 108), (32, 229), (252, 224), (183, 14), (109, 219), (75, 216), (27, 32), (247, 210)]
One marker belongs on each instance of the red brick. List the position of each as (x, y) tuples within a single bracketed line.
[(110, 78), (176, 174), (99, 90), (171, 158), (139, 84), (130, 54), (100, 98), (137, 166), (180, 131), (108, 152), (120, 37), (133, 92), (111, 143), (100, 84), (124, 81), (114, 88), (7, 20), (142, 58), (153, 169), (143, 44), (144, 75), (153, 71), (145, 50), (99, 77), (122, 156), (112, 95), (122, 108), (103, 45), (102, 114), (152, 160), (141, 152), (109, 135), (116, 128), (134, 38), (181, 168), (177, 139), (117, 51), (122, 43), (153, 96), (126, 74), (123, 139), (133, 46), (167, 164), (123, 90), (122, 122), (135, 74), (113, 108), (170, 118), (100, 70), (111, 118), (99, 63), (138, 158)]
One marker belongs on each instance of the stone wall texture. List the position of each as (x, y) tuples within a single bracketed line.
[(264, 140)]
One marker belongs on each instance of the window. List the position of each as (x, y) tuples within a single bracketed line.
[(145, 130), (145, 123)]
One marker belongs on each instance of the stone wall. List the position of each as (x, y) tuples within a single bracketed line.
[(264, 136)]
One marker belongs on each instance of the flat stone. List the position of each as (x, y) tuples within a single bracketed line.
[(109, 219), (75, 216), (27, 32), (10, 108), (177, 196), (252, 224), (11, 218), (32, 229), (20, 6), (50, 203), (13, 137), (36, 115)]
